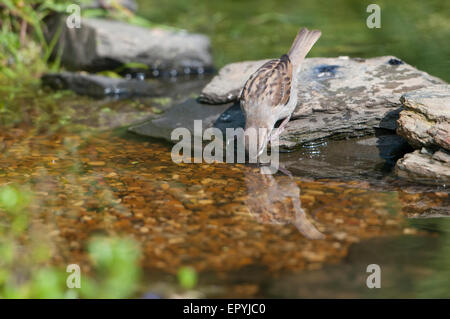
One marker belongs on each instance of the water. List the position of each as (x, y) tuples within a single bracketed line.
[(246, 234)]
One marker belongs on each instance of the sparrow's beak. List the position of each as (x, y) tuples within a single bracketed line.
[(263, 142), (256, 142)]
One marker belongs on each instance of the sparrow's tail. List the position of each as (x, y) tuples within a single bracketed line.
[(303, 43)]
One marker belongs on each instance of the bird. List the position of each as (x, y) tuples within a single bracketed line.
[(270, 93)]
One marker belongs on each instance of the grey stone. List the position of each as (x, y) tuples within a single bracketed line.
[(424, 167), (338, 97), (425, 119), (442, 156), (425, 123), (100, 86), (101, 44), (97, 4)]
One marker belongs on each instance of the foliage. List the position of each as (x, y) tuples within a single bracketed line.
[(25, 258), (187, 277), (24, 50), (117, 271), (25, 53), (22, 21)]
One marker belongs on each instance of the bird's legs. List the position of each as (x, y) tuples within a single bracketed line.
[(280, 128)]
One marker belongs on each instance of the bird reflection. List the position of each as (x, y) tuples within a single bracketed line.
[(276, 200)]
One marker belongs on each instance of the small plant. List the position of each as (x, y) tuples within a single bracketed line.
[(116, 268), (187, 277), (26, 253)]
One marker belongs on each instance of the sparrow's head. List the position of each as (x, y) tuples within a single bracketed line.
[(257, 135)]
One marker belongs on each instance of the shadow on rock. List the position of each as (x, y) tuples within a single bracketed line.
[(391, 147)]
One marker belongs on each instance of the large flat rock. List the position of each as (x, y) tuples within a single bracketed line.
[(107, 4), (101, 44), (338, 97)]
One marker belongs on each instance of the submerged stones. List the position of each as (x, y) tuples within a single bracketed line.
[(425, 123)]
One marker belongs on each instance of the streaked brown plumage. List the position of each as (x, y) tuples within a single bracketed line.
[(270, 84), (270, 94)]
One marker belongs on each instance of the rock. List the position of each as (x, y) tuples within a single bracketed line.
[(106, 45), (180, 115), (441, 156), (425, 119), (99, 86), (425, 168), (338, 97), (425, 123), (96, 4)]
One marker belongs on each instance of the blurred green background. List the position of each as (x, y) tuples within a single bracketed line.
[(416, 31)]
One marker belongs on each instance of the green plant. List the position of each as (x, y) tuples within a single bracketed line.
[(116, 268), (26, 254), (187, 277)]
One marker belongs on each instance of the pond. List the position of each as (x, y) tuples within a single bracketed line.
[(81, 175)]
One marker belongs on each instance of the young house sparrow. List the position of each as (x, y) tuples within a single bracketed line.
[(270, 94)]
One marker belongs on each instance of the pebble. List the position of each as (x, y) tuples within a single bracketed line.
[(340, 235), (313, 256), (96, 163), (409, 231), (205, 201)]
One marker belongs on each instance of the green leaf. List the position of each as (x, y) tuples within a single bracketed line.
[(156, 110), (132, 65), (93, 13), (187, 277), (110, 74)]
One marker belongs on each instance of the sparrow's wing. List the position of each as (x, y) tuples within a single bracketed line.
[(270, 85)]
